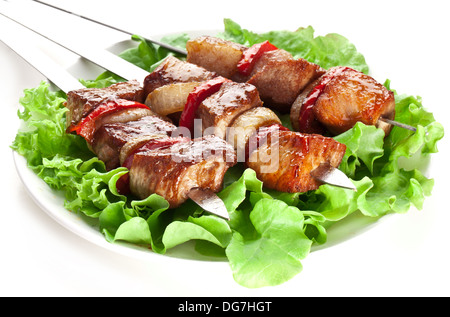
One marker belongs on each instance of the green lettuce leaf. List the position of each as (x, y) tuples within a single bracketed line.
[(148, 56), (327, 51), (208, 228), (364, 146), (273, 255), (44, 135)]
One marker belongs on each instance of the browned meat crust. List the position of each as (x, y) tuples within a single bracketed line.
[(285, 159), (218, 111), (352, 96), (215, 54), (174, 170), (82, 101), (280, 78), (173, 70), (111, 137)]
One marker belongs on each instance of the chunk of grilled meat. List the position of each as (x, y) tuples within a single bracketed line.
[(283, 159), (172, 171), (352, 96), (278, 76), (339, 99), (82, 101), (173, 70), (218, 111), (215, 54), (111, 137)]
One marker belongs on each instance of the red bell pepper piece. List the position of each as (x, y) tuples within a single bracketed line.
[(196, 97), (251, 56), (86, 127), (307, 120)]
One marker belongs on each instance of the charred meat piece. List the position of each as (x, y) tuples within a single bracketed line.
[(215, 54), (351, 96), (280, 78), (82, 101), (218, 111), (173, 70), (111, 137), (283, 159), (172, 171)]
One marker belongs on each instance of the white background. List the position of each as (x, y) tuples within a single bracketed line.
[(403, 255)]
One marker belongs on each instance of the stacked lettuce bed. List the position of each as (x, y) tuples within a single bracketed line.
[(269, 232)]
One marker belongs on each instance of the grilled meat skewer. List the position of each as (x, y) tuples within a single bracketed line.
[(282, 159), (284, 83), (131, 135)]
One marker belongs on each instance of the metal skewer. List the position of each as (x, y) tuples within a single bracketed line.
[(102, 58), (397, 124), (167, 46)]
